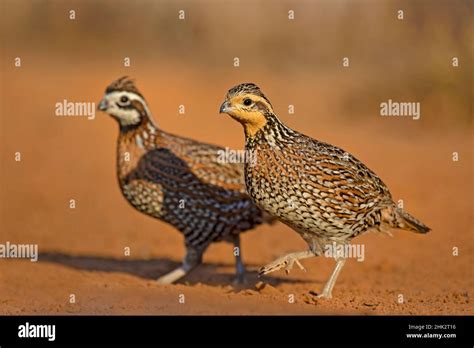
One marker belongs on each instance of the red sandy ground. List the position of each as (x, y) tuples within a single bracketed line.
[(81, 250)]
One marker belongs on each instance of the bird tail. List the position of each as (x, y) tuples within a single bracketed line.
[(405, 221)]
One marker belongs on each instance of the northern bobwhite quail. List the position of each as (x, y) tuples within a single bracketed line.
[(321, 191), (178, 180)]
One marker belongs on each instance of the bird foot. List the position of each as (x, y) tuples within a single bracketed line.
[(285, 262), (325, 296), (240, 280)]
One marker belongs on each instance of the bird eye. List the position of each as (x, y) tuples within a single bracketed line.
[(247, 101), (124, 99)]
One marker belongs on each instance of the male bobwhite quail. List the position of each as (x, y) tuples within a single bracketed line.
[(324, 193), (178, 180)]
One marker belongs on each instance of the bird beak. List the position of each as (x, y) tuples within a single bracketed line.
[(225, 107), (103, 105)]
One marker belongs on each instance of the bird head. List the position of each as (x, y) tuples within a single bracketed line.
[(248, 105), (124, 102)]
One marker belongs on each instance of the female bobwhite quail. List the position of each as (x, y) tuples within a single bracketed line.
[(321, 191), (178, 180)]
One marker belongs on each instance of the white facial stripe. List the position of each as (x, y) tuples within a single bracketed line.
[(115, 96), (126, 117)]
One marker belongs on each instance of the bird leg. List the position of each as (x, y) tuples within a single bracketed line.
[(327, 291), (192, 259), (239, 265), (286, 262)]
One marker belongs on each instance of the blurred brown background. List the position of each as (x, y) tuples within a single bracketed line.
[(190, 62)]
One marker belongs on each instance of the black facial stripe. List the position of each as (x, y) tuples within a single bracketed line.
[(128, 106)]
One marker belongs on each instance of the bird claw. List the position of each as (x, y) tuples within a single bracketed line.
[(300, 265), (285, 262)]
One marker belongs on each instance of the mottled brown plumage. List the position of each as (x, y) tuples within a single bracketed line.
[(324, 193), (178, 180)]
